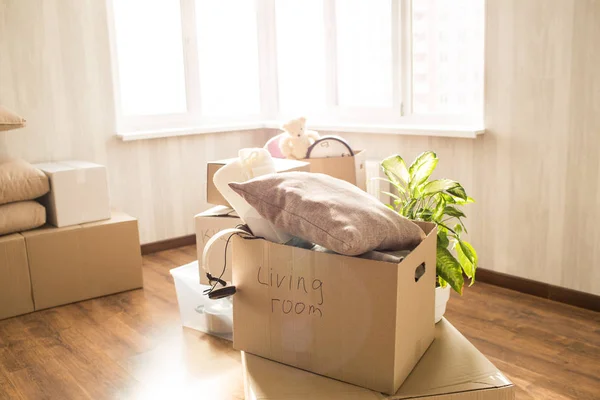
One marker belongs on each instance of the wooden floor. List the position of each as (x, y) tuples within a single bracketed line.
[(131, 345)]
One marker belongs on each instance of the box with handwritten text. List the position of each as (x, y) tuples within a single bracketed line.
[(361, 321)]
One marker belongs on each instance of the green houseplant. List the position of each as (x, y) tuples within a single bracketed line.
[(438, 201)]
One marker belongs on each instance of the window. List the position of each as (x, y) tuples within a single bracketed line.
[(447, 57), (190, 63)]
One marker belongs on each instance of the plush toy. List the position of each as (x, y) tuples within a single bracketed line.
[(295, 139)]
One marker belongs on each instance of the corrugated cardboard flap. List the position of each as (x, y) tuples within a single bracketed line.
[(452, 364)]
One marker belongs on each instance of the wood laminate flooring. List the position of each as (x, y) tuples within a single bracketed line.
[(131, 345)]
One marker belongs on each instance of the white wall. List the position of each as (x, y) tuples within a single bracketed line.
[(54, 71)]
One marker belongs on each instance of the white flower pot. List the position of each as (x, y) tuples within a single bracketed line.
[(441, 298)]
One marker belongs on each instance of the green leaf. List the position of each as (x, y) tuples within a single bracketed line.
[(442, 239), (449, 269), (395, 169), (378, 178), (458, 229), (462, 224), (390, 207), (437, 186), (392, 195), (469, 251), (438, 212), (445, 227), (467, 257), (408, 208), (459, 192), (421, 169), (424, 214), (421, 159), (442, 282), (453, 212)]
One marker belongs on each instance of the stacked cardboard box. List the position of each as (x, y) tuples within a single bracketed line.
[(88, 253), (15, 284), (451, 369), (83, 261), (361, 321), (51, 266)]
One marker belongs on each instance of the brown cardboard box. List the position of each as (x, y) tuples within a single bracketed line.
[(351, 169), (84, 261), (213, 196), (451, 369), (207, 224), (15, 285), (361, 321)]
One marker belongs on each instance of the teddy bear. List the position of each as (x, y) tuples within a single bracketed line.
[(295, 139)]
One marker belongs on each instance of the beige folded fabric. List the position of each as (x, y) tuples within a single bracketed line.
[(21, 216), (329, 212), (20, 181), (9, 120)]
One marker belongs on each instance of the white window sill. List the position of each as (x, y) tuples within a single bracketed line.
[(455, 131), (200, 130)]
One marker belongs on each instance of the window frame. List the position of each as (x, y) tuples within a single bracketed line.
[(399, 117)]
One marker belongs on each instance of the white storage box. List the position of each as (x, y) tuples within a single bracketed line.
[(78, 192), (198, 312)]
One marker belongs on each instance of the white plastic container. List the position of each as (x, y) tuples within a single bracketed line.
[(197, 311)]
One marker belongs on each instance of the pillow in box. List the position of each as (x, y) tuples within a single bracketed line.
[(329, 212), (20, 181), (21, 216)]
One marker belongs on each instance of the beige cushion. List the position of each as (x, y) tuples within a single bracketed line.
[(20, 181), (329, 212), (10, 120), (21, 216)]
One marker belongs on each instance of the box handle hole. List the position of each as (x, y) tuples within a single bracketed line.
[(419, 272)]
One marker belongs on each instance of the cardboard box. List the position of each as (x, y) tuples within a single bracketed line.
[(351, 169), (361, 321), (78, 193), (84, 261), (15, 285), (213, 196), (207, 224), (451, 369)]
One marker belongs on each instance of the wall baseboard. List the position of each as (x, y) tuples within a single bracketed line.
[(540, 289), (168, 244)]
